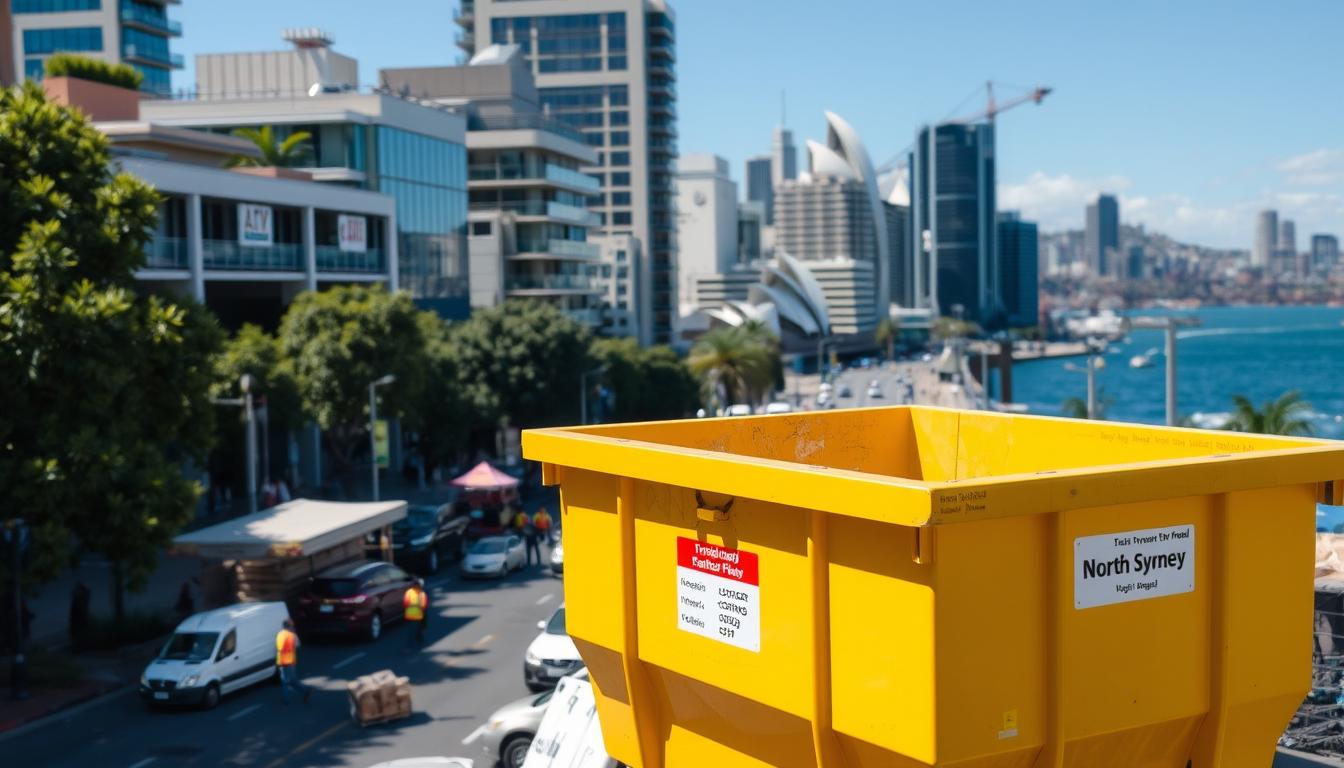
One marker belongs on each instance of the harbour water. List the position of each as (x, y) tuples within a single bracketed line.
[(1259, 352)]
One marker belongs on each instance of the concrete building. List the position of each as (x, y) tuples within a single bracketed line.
[(707, 229), (413, 152), (1018, 267), (1101, 242), (954, 235), (619, 277), (528, 221), (1324, 252), (136, 32), (607, 68), (759, 176), (750, 232), (1287, 245), (1266, 238)]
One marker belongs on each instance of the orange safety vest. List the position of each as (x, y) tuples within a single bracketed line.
[(415, 602), (286, 648), (542, 521), (520, 520)]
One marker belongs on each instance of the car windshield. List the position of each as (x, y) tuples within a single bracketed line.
[(543, 698), (419, 517), (336, 587), (488, 547), (556, 626), (190, 646)]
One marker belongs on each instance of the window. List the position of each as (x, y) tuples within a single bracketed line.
[(228, 645), (64, 39), (620, 138), (55, 6), (480, 228), (600, 178), (616, 62), (619, 158), (618, 96), (137, 42), (593, 139), (597, 201), (620, 117), (620, 179), (620, 217), (620, 198), (34, 69)]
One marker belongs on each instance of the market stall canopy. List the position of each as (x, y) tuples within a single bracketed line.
[(483, 476), (294, 529)]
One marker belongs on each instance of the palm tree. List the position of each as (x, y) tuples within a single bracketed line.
[(1076, 407), (885, 334), (274, 154), (1285, 416), (732, 363)]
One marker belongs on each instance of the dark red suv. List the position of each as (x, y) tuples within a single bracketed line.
[(357, 598)]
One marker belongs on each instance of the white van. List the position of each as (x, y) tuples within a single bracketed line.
[(214, 653)]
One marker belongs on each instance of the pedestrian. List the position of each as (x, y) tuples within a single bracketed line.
[(545, 526), (282, 491), (184, 606), (415, 603), (269, 495), (286, 659), (520, 522)]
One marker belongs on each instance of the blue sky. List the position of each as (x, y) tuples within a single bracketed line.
[(1196, 113)]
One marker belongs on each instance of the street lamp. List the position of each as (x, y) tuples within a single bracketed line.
[(1094, 361), (373, 421), (245, 383), (583, 391), (16, 535)]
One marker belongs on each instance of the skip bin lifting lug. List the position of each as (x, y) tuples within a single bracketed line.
[(710, 513)]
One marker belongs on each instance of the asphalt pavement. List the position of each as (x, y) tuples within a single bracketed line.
[(471, 665)]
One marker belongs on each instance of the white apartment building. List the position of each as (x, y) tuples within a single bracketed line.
[(135, 32)]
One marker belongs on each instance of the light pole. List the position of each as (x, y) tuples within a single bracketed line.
[(249, 416), (583, 391), (1093, 363), (16, 535), (1169, 326), (373, 426)]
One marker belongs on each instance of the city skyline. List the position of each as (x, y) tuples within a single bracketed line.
[(1165, 108)]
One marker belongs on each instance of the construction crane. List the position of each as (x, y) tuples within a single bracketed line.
[(992, 109)]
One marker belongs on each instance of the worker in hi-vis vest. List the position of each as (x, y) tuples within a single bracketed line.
[(416, 604), (286, 660)]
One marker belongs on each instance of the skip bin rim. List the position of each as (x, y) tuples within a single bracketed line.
[(905, 501)]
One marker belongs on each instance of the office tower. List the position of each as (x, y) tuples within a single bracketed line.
[(760, 183), (607, 67), (707, 220), (783, 156), (1018, 268), (1266, 238), (136, 32), (1102, 239), (954, 236), (1134, 264), (1324, 252), (1288, 237), (750, 223), (382, 142), (528, 221), (901, 266)]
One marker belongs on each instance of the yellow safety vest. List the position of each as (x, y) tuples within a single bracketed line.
[(415, 602), (286, 646)]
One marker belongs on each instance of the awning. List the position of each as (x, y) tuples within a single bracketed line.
[(484, 477), (293, 529)]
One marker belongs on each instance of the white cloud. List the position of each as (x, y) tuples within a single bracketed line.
[(1056, 202), (1320, 167)]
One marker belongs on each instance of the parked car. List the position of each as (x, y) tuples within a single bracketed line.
[(507, 734), (778, 407), (552, 655), (874, 392), (215, 653), (494, 556), (558, 558), (845, 391), (739, 409), (427, 535), (358, 598)]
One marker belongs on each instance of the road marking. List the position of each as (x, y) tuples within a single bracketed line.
[(474, 735), (348, 660), (484, 641), (144, 762), (305, 745), (244, 712), (544, 599)]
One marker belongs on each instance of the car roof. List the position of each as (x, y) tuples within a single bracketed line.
[(351, 570), (221, 619)]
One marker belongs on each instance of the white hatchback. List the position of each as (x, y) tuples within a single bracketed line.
[(494, 556), (552, 655)]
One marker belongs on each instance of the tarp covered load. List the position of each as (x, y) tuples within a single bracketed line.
[(294, 529)]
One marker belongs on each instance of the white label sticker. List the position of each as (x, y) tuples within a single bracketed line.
[(719, 593), (1133, 565)]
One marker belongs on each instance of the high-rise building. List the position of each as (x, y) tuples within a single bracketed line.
[(1102, 240), (413, 152), (1266, 238), (750, 223), (1134, 263), (607, 68), (901, 266), (1288, 237), (1324, 252), (1018, 267), (707, 229), (136, 32), (954, 235), (759, 177), (528, 221), (783, 156)]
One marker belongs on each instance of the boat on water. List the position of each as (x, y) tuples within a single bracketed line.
[(1145, 360)]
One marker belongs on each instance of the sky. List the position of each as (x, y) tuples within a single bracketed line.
[(1197, 114)]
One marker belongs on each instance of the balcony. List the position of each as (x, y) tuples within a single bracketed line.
[(558, 249), (589, 316), (229, 255), (662, 48), (466, 15), (549, 208), (166, 253), (659, 67), (566, 177), (331, 258), (465, 40), (664, 88), (524, 122), (534, 284), (133, 15), (662, 108), (142, 55), (572, 178)]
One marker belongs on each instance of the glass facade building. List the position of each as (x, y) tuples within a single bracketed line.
[(1018, 265), (135, 32), (761, 185)]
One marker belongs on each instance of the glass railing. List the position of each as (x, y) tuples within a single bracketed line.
[(228, 254), (550, 283), (570, 249), (133, 51), (551, 208), (573, 178), (556, 173), (521, 122), (166, 253), (331, 258), (137, 14), (571, 213)]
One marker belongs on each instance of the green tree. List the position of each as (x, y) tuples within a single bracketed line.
[(442, 420), (1285, 416), (523, 360), (294, 150), (106, 391), (646, 383), (885, 335), (734, 364), (1076, 407), (254, 352), (335, 343)]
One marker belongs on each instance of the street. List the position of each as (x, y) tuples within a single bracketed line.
[(471, 665)]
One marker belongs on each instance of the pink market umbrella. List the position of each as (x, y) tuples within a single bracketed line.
[(485, 477)]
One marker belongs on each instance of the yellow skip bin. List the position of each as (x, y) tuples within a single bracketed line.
[(924, 587)]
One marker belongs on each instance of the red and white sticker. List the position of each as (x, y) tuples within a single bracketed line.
[(719, 593)]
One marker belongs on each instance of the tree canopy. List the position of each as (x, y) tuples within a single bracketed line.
[(1286, 415), (106, 391), (646, 383), (736, 364), (275, 153)]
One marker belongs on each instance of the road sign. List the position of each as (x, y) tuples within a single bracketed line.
[(381, 450)]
